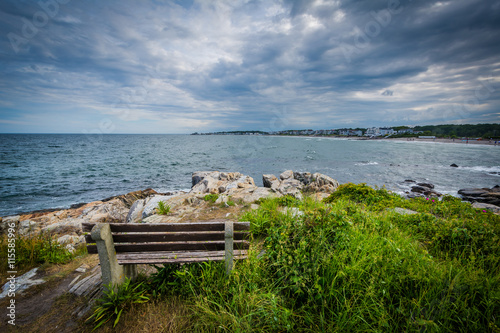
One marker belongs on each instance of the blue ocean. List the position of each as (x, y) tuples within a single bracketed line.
[(42, 171)]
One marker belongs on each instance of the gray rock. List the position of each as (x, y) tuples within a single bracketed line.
[(419, 189), (22, 282), (270, 181), (454, 165), (303, 177), (286, 175), (291, 187), (135, 212), (198, 176), (402, 211), (493, 208), (472, 192), (152, 203), (428, 185), (4, 225)]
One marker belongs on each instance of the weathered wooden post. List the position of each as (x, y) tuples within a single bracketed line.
[(228, 246)]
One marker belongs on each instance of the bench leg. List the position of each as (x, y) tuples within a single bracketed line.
[(112, 272), (130, 271)]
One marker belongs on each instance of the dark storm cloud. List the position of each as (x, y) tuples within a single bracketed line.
[(176, 66)]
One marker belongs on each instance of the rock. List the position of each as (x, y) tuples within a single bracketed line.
[(270, 181), (82, 269), (70, 225), (409, 181), (250, 195), (428, 185), (22, 282), (473, 192), (484, 206), (454, 165), (482, 195), (415, 195), (152, 203), (402, 211), (254, 206), (4, 225), (135, 213), (27, 226), (216, 182), (198, 176), (113, 210), (303, 177), (419, 189), (322, 183), (286, 175), (290, 186), (69, 239)]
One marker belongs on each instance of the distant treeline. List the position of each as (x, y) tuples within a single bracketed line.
[(479, 130)]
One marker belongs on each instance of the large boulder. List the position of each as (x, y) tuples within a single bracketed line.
[(215, 182), (484, 195), (270, 181), (484, 206), (293, 183)]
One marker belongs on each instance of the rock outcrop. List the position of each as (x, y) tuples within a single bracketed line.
[(294, 183), (424, 189), (141, 206), (483, 195)]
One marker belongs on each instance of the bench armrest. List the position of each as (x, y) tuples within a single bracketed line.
[(112, 272)]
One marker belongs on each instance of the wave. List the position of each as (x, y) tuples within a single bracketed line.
[(366, 163), (492, 170)]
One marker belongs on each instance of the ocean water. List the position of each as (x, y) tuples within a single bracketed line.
[(41, 171)]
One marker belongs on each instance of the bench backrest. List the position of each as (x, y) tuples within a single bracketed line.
[(149, 237)]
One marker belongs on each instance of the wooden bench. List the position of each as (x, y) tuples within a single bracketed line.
[(121, 246)]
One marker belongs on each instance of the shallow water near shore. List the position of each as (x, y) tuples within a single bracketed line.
[(41, 171)]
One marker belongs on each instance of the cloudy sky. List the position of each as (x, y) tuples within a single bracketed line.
[(71, 66)]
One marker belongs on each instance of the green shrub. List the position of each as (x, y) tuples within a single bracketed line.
[(163, 209), (211, 198), (350, 265), (35, 250), (113, 302)]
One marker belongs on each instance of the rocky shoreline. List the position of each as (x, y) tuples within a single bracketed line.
[(231, 190)]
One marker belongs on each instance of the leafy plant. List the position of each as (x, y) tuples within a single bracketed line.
[(163, 208), (211, 197), (34, 250), (114, 302), (161, 282)]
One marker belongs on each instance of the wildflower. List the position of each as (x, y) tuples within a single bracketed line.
[(484, 211), (432, 200), (426, 198)]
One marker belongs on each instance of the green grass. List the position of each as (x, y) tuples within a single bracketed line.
[(32, 251), (163, 208), (212, 198), (349, 265)]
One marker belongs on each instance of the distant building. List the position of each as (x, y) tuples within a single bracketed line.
[(350, 132), (386, 131), (374, 131)]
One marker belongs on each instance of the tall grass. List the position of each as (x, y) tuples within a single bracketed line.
[(35, 250), (350, 265)]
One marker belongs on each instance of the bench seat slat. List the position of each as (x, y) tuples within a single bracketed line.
[(168, 227), (170, 237), (175, 261), (173, 255), (173, 246)]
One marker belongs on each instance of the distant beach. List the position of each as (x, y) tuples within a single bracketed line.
[(437, 140)]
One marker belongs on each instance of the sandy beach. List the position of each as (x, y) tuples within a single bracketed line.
[(439, 140)]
